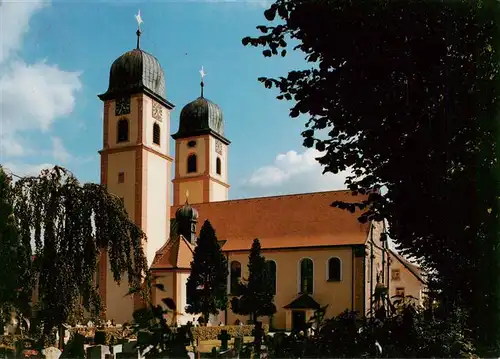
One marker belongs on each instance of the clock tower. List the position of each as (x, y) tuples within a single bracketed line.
[(135, 161), (201, 153)]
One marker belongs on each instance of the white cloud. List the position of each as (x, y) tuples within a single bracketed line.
[(14, 17), (33, 96), (11, 146), (59, 152), (294, 172), (26, 169)]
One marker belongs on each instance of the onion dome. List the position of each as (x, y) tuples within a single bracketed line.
[(136, 71), (186, 213), (186, 218), (201, 117)]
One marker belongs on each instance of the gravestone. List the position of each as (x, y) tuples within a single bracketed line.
[(238, 344), (115, 349), (128, 355), (7, 352), (224, 338), (97, 352), (130, 347), (129, 351), (51, 353), (257, 334), (75, 347)]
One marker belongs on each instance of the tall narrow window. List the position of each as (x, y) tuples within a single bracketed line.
[(218, 166), (306, 276), (121, 177), (156, 134), (271, 269), (122, 130), (191, 163), (334, 269), (235, 276)]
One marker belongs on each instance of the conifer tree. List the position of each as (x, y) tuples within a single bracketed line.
[(257, 295), (207, 284)]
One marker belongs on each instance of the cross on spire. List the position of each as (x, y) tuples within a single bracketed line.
[(138, 18), (202, 84)]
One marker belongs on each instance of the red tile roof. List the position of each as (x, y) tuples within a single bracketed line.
[(302, 220), (177, 253)]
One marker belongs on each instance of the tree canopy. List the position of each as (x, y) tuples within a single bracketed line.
[(405, 95), (206, 287), (256, 297), (15, 282), (65, 225)]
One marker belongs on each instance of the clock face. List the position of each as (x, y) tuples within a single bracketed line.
[(122, 106), (157, 111), (218, 147)]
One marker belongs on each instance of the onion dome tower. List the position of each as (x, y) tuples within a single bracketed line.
[(135, 161), (201, 152), (187, 217)]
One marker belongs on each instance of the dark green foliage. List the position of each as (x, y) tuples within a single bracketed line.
[(70, 223), (404, 332), (153, 329), (100, 337), (206, 288), (75, 347), (256, 297), (15, 259), (405, 94)]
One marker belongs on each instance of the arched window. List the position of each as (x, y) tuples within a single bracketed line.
[(122, 130), (156, 134), (191, 163), (271, 268), (306, 276), (334, 269), (235, 276), (218, 166)]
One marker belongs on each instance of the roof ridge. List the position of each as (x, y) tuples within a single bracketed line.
[(297, 195)]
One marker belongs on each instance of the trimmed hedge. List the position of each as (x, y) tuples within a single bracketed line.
[(212, 333), (115, 335), (106, 336)]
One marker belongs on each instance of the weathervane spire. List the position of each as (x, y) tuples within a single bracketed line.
[(187, 196), (138, 18), (202, 84)]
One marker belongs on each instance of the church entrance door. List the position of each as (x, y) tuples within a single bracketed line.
[(298, 320)]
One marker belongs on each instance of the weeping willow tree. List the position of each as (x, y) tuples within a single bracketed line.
[(68, 224), (15, 283)]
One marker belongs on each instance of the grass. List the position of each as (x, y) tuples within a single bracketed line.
[(205, 346)]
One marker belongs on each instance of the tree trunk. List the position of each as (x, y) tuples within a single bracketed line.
[(62, 332)]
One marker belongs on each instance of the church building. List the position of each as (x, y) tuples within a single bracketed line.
[(319, 255)]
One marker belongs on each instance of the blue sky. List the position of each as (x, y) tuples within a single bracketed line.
[(55, 59)]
